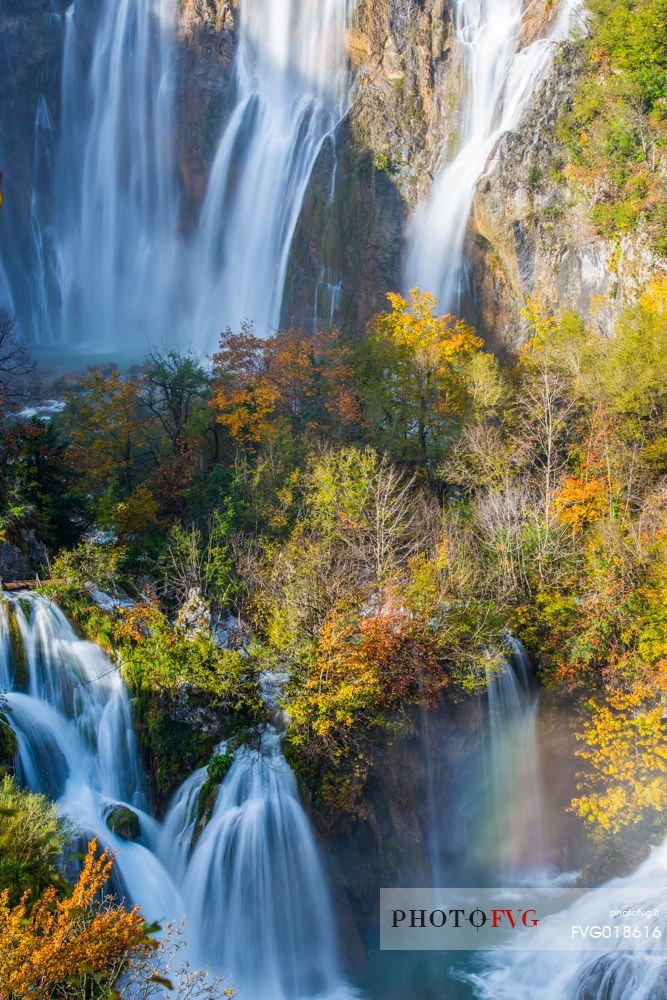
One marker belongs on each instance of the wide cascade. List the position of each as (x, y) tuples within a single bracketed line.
[(114, 268), (499, 78), (252, 888), (633, 967)]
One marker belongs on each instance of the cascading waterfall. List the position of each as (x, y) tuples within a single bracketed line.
[(499, 82), (252, 887), (113, 266), (71, 715), (637, 968), (255, 890)]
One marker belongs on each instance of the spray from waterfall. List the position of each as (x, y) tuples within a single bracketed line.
[(634, 967), (499, 79), (112, 266)]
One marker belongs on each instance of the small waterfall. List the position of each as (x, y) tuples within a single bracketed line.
[(254, 887), (484, 817), (511, 782), (637, 969), (500, 80)]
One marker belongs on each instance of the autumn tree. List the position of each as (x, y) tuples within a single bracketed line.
[(243, 398), (304, 379), (416, 377), (625, 745), (107, 430), (61, 946)]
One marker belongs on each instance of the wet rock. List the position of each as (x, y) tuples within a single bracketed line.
[(124, 822), (14, 564)]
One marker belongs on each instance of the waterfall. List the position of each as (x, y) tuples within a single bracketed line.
[(635, 967), (255, 891), (500, 79), (115, 192), (252, 888), (511, 781), (291, 82), (71, 715), (493, 797), (112, 267)]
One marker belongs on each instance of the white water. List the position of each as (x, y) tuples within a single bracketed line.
[(511, 780), (499, 80), (635, 972), (252, 889), (112, 267), (292, 88), (255, 889)]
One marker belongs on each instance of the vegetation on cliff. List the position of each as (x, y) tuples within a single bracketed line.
[(378, 516), (616, 128)]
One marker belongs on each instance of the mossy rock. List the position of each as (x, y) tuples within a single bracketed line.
[(208, 796), (219, 765), (20, 663), (124, 823), (8, 744)]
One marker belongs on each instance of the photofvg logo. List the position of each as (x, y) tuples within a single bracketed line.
[(540, 919)]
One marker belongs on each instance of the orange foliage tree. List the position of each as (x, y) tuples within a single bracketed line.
[(363, 664), (61, 945), (293, 375), (580, 502)]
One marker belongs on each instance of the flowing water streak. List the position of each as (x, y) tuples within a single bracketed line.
[(511, 779), (500, 80), (71, 715), (292, 88), (493, 797), (115, 192), (255, 891), (112, 267)]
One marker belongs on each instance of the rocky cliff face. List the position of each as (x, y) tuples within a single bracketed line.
[(348, 250), (530, 234), (206, 36)]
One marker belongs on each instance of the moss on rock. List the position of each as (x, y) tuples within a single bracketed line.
[(8, 744), (20, 662), (124, 823)]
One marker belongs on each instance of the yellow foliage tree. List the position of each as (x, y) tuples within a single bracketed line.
[(420, 383), (626, 747)]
